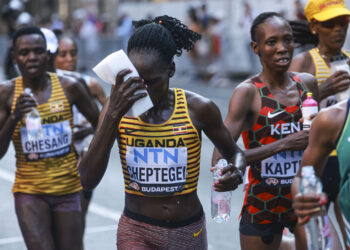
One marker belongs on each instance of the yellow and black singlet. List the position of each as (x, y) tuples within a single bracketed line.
[(322, 72), (47, 165), (160, 159)]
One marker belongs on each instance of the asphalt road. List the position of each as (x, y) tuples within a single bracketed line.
[(108, 199)]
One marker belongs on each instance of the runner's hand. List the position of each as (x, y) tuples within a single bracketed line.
[(296, 141), (337, 82), (81, 131), (123, 94), (230, 180), (306, 206), (24, 104)]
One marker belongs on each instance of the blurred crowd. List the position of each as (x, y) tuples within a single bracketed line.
[(211, 58)]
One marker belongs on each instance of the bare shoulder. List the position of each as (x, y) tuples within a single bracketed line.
[(303, 63), (6, 93), (198, 102), (306, 78), (69, 82), (246, 88)]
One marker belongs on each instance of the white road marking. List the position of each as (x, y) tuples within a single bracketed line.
[(89, 230)]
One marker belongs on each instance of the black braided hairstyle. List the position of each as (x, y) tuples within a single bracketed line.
[(164, 34), (302, 33)]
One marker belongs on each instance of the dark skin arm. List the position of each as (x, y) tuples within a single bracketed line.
[(9, 121), (97, 91), (78, 96), (323, 135), (337, 82), (94, 164), (207, 117), (243, 113)]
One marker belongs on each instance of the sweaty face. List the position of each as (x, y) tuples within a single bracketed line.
[(154, 71), (30, 55), (67, 56), (332, 33), (274, 44)]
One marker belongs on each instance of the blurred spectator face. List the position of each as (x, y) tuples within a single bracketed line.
[(331, 33), (67, 57)]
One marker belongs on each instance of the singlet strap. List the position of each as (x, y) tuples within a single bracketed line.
[(345, 124)]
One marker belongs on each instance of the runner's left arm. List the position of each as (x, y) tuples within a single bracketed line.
[(78, 96), (210, 117)]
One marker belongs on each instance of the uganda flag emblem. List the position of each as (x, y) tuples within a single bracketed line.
[(56, 106), (179, 129)]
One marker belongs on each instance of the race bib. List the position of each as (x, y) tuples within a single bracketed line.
[(55, 142), (157, 171), (280, 169)]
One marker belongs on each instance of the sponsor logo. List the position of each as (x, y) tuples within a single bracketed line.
[(33, 156), (134, 185), (196, 234), (56, 106), (128, 131), (271, 181), (272, 115)]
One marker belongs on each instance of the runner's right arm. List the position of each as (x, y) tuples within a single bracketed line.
[(243, 111), (337, 82), (9, 121), (323, 135), (94, 163)]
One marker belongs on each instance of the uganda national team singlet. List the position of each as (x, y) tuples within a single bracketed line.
[(47, 165), (322, 72), (160, 159), (268, 197), (343, 149)]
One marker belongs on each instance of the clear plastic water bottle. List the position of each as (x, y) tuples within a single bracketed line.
[(317, 228), (33, 121), (220, 201), (308, 108), (338, 63)]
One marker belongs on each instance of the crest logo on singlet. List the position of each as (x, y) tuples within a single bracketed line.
[(57, 106), (179, 129), (271, 181)]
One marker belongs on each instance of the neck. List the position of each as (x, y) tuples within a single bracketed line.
[(327, 52), (274, 79), (36, 83), (162, 104)]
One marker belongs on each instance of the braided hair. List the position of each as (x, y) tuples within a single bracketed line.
[(302, 33), (164, 34), (259, 20)]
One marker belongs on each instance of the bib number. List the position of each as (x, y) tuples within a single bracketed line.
[(55, 142), (157, 171), (280, 169)]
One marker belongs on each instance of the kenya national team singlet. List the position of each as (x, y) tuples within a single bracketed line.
[(160, 159), (47, 165), (268, 197)]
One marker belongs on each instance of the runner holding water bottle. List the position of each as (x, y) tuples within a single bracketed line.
[(327, 28), (266, 109), (330, 130), (160, 149), (47, 184)]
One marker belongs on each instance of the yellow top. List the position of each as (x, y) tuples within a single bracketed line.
[(322, 73), (160, 159), (47, 165)]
